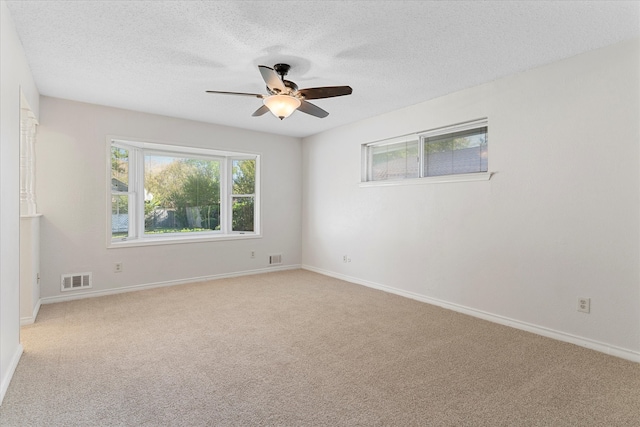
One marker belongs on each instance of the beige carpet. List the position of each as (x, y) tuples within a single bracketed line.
[(296, 348)]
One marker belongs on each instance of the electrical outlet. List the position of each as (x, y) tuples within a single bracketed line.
[(345, 258), (584, 305), (253, 254), (117, 267)]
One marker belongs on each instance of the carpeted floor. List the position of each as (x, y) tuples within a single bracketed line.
[(296, 348)]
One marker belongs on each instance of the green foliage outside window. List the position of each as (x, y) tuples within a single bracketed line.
[(244, 183), (181, 194)]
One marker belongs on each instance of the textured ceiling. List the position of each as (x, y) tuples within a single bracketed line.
[(161, 56)]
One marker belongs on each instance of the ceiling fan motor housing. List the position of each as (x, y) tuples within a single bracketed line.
[(282, 69)]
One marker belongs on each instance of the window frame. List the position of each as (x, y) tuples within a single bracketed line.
[(137, 151), (366, 150)]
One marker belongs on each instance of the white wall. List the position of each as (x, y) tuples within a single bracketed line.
[(15, 77), (71, 188), (558, 220)]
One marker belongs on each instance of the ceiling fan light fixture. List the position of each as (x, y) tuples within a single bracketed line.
[(284, 96), (281, 106)]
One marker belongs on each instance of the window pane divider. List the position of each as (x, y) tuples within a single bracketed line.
[(225, 194), (135, 218), (421, 157)]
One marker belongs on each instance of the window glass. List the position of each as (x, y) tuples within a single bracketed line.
[(119, 169), (119, 216), (244, 184), (394, 161), (243, 213), (119, 192), (181, 195), (456, 153), (244, 176)]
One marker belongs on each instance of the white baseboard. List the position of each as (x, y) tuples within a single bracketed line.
[(93, 294), (539, 330), (6, 376), (29, 320)]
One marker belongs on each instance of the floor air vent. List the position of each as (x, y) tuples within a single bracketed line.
[(275, 259), (70, 282)]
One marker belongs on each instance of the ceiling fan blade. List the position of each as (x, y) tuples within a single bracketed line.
[(260, 111), (325, 92), (257, 95), (314, 110), (271, 79)]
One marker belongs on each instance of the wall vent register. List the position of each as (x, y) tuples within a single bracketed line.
[(275, 259), (70, 282)]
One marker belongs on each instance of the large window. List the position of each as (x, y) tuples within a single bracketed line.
[(454, 150), (161, 193)]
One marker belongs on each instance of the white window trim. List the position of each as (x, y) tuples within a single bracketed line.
[(459, 127), (226, 158), (463, 177)]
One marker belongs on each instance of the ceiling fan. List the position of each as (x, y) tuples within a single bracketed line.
[(284, 97)]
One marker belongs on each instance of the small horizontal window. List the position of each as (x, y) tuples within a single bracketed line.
[(453, 150)]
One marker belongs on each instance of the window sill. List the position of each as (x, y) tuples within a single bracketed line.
[(154, 241), (465, 177)]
